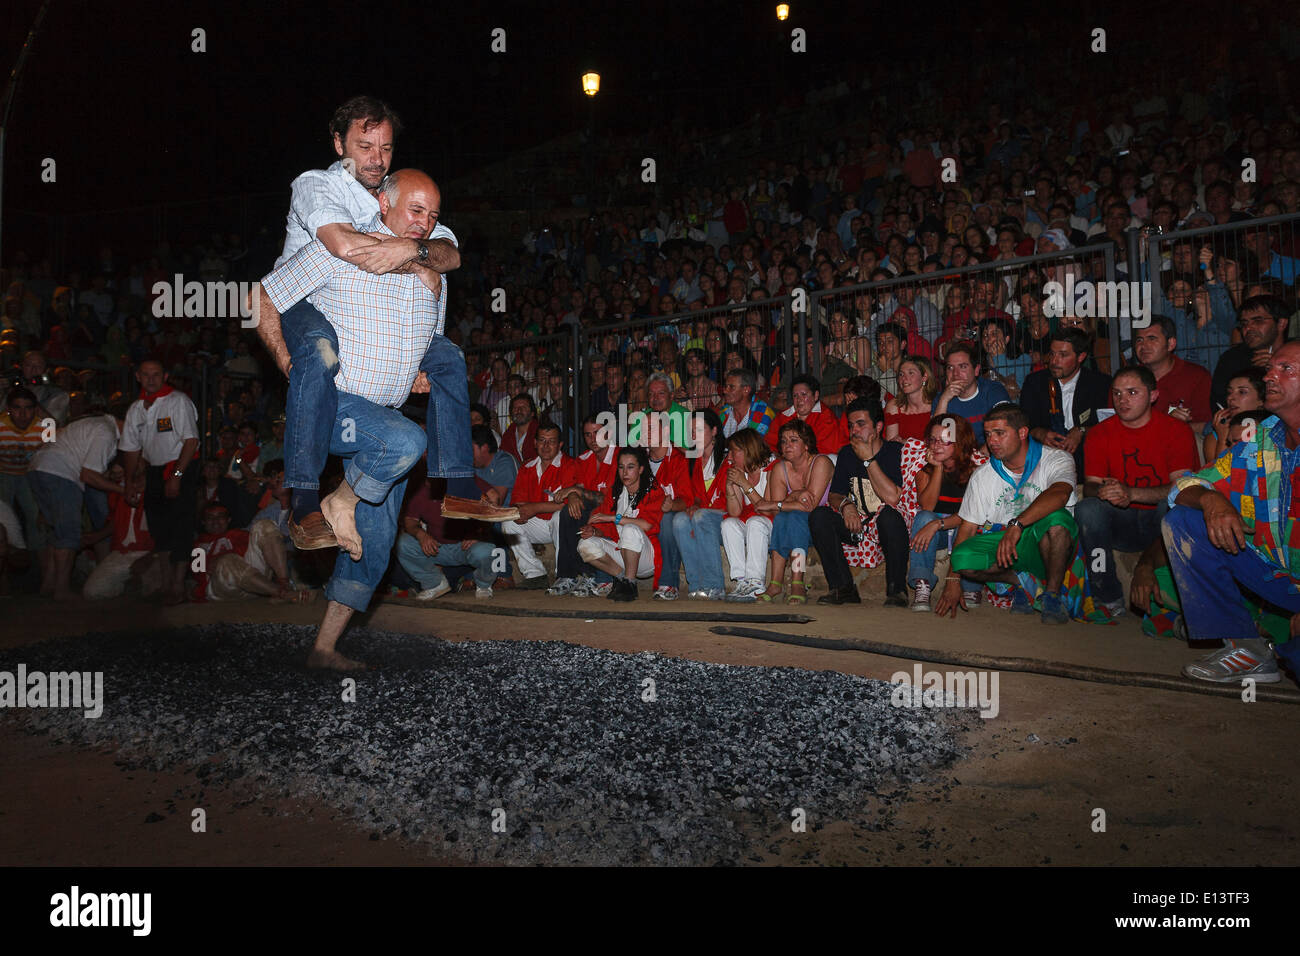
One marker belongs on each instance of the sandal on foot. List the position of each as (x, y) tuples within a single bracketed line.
[(768, 596), (800, 596)]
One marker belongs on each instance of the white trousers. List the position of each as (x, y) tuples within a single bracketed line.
[(109, 578), (630, 538), (523, 535), (746, 545)]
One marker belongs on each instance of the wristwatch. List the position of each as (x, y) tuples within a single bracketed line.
[(1015, 523), (177, 473), (422, 252)]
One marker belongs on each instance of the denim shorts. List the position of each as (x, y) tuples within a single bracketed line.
[(60, 503)]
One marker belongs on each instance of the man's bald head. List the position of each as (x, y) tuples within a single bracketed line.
[(409, 203)]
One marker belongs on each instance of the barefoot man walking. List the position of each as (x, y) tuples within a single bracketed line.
[(384, 325)]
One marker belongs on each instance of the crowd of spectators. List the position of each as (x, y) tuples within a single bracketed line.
[(893, 415)]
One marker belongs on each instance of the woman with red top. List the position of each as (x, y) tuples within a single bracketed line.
[(622, 537), (745, 532), (940, 483), (799, 482), (908, 414), (699, 534)]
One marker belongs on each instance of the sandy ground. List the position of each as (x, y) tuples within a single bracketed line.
[(1182, 779)]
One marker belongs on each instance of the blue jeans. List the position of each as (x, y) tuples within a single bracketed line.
[(16, 491), (1108, 528), (699, 540), (920, 564), (379, 446), (790, 533), (312, 400), (427, 570), (59, 500), (1208, 579), (670, 553)]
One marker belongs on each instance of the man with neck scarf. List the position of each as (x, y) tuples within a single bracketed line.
[(160, 442), (1016, 516)]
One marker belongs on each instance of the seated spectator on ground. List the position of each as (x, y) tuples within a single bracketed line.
[(242, 564), (907, 413), (807, 407), (1016, 515), (534, 495), (1245, 394), (1264, 322), (799, 483), (20, 438), (428, 542), (742, 409), (1130, 462), (622, 536), (746, 533), (966, 394), (1061, 401), (520, 439), (672, 478), (863, 501), (594, 472), (1236, 525), (1184, 386), (698, 527), (495, 469), (131, 543), (939, 484)]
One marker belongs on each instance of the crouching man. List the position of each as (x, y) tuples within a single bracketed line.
[(1022, 501), (1237, 524)]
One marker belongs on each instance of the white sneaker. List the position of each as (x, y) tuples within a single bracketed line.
[(602, 590), (665, 592), (746, 590), (921, 600), (482, 594), (428, 594), (562, 586), (1229, 665), (971, 600)]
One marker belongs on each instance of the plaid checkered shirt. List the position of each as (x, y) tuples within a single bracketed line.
[(384, 323)]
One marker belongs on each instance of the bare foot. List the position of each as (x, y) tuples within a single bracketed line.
[(339, 508), (333, 661)]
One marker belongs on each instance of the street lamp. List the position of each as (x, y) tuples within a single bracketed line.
[(782, 11), (591, 86), (591, 83)]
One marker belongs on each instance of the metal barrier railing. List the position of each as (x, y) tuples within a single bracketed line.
[(1205, 274), (540, 357)]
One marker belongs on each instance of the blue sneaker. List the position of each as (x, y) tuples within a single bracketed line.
[(1054, 611), (1021, 602)]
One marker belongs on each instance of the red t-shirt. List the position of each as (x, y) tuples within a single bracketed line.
[(832, 435), (671, 474), (909, 426), (1190, 383), (1140, 457), (529, 487)]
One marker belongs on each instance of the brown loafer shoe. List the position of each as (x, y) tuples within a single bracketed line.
[(313, 534), (453, 507)]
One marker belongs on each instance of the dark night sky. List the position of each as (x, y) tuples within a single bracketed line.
[(132, 115), (113, 92)]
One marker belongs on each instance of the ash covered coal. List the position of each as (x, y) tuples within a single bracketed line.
[(510, 752)]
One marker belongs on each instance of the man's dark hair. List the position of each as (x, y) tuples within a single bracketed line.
[(1076, 339), (809, 380), (482, 435), (1166, 324), (967, 346), (273, 467), (117, 408), (872, 409), (1008, 412), (369, 110), (546, 425), (19, 392), (484, 412), (1144, 375), (863, 386), (896, 330), (1272, 304)]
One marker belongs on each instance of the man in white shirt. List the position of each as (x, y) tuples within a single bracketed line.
[(160, 443), (58, 474), (1022, 501)]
